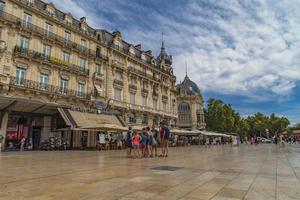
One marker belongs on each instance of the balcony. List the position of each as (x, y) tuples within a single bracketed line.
[(118, 64), (145, 91), (46, 88), (142, 73), (48, 35), (117, 47), (164, 97), (132, 87), (118, 82), (26, 53)]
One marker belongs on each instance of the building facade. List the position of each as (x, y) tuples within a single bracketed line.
[(50, 60), (190, 106)]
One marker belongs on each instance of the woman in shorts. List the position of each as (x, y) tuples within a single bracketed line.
[(136, 144)]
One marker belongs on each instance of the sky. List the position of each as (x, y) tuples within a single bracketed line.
[(245, 52)]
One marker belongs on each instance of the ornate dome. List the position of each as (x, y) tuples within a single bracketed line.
[(188, 87)]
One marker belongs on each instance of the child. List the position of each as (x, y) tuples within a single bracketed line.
[(136, 144)]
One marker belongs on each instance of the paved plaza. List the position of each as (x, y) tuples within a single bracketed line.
[(219, 173)]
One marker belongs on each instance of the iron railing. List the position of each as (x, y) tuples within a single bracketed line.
[(118, 82), (27, 53), (44, 87), (47, 34)]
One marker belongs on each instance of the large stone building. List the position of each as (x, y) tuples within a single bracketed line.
[(190, 106), (52, 64)]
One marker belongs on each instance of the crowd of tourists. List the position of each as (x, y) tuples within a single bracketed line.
[(146, 144)]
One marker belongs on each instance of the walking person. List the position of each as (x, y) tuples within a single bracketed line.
[(162, 136), (143, 143), (129, 141), (136, 144)]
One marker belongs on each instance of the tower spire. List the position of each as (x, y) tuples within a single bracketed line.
[(162, 41), (186, 69)]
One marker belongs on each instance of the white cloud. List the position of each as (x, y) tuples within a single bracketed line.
[(249, 48)]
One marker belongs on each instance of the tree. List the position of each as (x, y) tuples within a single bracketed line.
[(221, 117)]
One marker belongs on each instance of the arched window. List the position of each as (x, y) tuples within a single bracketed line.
[(184, 112)]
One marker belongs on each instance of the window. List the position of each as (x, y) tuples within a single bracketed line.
[(2, 6), (47, 51), (48, 29), (144, 70), (30, 2), (132, 117), (67, 37), (63, 86), (98, 69), (24, 42), (132, 98), (80, 89), (98, 52), (82, 44), (144, 119), (165, 106), (155, 104), (66, 57), (26, 19), (118, 94), (82, 63), (20, 76), (51, 11), (118, 76), (44, 81), (144, 103)]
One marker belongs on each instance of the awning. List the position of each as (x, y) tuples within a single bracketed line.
[(185, 132), (84, 120), (208, 133)]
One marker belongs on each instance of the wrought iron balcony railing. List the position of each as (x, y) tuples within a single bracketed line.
[(142, 73), (48, 34), (118, 82), (26, 53), (132, 87), (44, 87)]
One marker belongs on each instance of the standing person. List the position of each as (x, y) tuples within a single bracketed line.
[(162, 136), (143, 143), (120, 140), (1, 140), (166, 139), (102, 141), (151, 142), (136, 144), (129, 141), (154, 141), (107, 141)]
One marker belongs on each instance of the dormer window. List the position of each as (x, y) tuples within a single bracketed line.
[(132, 51), (50, 11), (30, 2), (144, 57), (68, 19)]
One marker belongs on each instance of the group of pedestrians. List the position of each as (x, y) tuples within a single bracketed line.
[(146, 144)]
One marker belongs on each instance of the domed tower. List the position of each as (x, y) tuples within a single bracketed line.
[(190, 106), (164, 60)]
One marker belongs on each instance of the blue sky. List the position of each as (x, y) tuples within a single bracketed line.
[(245, 52)]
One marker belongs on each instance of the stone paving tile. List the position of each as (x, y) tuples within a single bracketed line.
[(260, 172)]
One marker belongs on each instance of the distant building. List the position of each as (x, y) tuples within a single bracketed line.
[(190, 106)]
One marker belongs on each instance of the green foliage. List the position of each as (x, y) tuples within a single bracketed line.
[(221, 117)]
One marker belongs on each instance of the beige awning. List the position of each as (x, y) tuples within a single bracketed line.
[(84, 120)]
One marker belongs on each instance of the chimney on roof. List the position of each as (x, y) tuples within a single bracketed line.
[(138, 46)]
